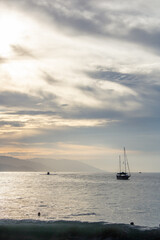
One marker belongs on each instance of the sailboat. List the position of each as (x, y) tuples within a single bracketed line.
[(125, 173)]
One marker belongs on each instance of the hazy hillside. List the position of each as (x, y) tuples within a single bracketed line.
[(39, 164), (15, 164), (65, 165)]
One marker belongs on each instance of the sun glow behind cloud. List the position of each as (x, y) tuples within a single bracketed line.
[(12, 31)]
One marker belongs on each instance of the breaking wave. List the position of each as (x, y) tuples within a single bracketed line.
[(65, 230)]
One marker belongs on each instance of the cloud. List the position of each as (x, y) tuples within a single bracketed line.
[(134, 80), (11, 123), (38, 100), (2, 60), (60, 13), (145, 84), (92, 18), (126, 79), (145, 38), (32, 113), (17, 99), (22, 51), (49, 79)]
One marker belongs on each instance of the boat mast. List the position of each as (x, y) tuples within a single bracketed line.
[(128, 166), (119, 163), (124, 160)]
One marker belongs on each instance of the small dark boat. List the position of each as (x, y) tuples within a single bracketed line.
[(124, 175)]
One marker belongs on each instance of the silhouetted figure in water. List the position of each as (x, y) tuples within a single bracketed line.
[(39, 214), (48, 173)]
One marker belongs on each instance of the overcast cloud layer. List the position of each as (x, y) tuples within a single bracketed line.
[(80, 80)]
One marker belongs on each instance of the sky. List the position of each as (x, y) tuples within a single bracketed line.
[(79, 80)]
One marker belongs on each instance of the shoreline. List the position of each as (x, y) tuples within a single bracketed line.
[(27, 229)]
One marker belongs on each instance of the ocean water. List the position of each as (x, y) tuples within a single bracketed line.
[(68, 199)]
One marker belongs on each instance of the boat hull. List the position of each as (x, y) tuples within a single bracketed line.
[(123, 177)]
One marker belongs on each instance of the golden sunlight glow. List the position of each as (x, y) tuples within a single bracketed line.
[(59, 150)]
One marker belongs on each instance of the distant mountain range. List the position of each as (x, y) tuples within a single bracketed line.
[(10, 164)]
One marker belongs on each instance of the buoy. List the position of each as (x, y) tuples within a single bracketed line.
[(132, 223)]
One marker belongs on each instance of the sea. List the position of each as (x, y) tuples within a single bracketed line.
[(34, 205)]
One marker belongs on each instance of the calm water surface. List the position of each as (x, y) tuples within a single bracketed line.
[(81, 197)]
